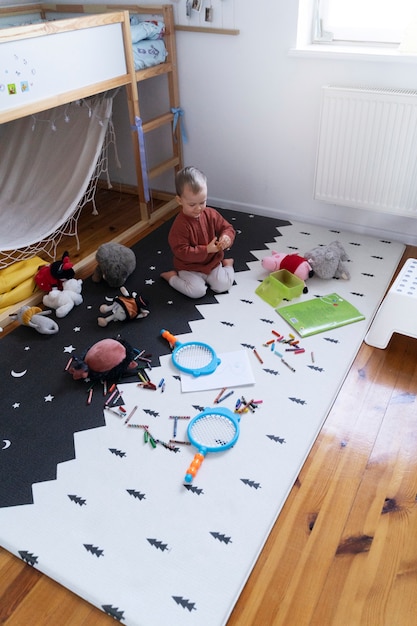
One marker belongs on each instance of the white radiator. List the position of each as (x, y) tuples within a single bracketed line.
[(367, 151)]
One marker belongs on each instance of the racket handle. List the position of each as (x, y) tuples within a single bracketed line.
[(194, 467), (168, 336)]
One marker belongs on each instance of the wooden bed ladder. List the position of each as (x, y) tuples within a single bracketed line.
[(159, 203)]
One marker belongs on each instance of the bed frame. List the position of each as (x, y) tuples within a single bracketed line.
[(109, 23), (55, 86)]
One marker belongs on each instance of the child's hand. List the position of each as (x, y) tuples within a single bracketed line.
[(224, 242), (213, 246)]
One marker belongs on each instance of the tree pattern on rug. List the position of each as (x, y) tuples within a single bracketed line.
[(43, 407)]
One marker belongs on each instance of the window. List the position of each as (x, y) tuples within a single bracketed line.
[(365, 21)]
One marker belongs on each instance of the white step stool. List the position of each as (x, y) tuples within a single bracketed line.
[(398, 311)]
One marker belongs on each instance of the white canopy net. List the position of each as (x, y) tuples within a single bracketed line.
[(49, 167)]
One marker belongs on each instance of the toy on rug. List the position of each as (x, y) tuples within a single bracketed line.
[(329, 261), (108, 359), (34, 317), (64, 301), (53, 275), (124, 308), (115, 264), (293, 263)]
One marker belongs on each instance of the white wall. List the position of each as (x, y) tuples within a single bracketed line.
[(251, 114)]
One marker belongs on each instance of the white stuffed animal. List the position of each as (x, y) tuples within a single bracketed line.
[(64, 301)]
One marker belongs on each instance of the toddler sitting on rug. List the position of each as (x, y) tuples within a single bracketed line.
[(198, 238)]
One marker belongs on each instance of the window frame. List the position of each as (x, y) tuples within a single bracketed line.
[(311, 43), (325, 31)]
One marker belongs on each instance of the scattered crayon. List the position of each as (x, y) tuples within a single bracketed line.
[(288, 365), (219, 395), (257, 356), (127, 420), (113, 411), (181, 443), (226, 396)]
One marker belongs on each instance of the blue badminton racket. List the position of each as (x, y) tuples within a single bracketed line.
[(193, 357), (213, 430)]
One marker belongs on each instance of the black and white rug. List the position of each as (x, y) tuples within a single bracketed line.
[(88, 501)]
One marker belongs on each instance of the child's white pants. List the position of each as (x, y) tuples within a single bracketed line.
[(194, 284)]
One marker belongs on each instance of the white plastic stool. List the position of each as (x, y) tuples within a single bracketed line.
[(398, 310)]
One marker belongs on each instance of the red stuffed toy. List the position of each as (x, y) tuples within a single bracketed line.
[(51, 276), (108, 359)]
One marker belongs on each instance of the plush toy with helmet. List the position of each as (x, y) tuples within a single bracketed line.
[(124, 308), (53, 275), (108, 359), (34, 317), (64, 301)]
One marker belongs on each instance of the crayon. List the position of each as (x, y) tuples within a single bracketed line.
[(257, 356)]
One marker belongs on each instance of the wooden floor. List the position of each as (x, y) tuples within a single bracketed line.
[(343, 551)]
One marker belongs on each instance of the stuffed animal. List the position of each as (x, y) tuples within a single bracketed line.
[(123, 308), (293, 263), (53, 275), (64, 301), (329, 261), (108, 359), (34, 317), (115, 264)]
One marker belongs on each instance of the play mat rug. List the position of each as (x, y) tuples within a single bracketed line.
[(97, 502)]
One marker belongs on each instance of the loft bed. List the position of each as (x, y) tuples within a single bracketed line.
[(123, 42), (45, 66)]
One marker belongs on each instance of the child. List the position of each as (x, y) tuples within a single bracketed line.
[(198, 238)]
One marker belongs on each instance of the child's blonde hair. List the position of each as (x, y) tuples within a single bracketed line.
[(192, 177)]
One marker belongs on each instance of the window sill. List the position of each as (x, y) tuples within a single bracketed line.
[(355, 53)]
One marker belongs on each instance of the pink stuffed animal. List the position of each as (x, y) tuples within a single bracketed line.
[(293, 263)]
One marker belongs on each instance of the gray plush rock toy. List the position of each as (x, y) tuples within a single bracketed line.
[(115, 263), (329, 261)]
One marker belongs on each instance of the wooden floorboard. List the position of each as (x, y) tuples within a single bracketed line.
[(343, 550)]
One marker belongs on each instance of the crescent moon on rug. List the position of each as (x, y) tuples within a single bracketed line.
[(7, 444), (18, 374)]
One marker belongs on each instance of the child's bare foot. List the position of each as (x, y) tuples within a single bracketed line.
[(228, 262), (168, 275)]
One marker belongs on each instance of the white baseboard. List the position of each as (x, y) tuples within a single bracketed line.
[(362, 229)]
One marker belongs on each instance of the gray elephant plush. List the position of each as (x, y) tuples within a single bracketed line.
[(115, 263), (329, 261)]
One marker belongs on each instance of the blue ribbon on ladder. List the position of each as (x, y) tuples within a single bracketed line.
[(142, 152), (178, 115)]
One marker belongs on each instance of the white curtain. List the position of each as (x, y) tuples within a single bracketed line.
[(46, 163)]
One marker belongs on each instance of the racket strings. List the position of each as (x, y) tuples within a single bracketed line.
[(194, 357), (213, 430)]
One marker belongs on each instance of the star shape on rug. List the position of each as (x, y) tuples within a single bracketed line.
[(48, 398), (76, 329), (149, 281), (170, 302), (152, 267), (69, 349), (27, 348), (16, 405)]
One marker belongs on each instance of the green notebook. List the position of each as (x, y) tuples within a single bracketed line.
[(320, 314)]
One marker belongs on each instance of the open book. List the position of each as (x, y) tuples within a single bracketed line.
[(319, 314)]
